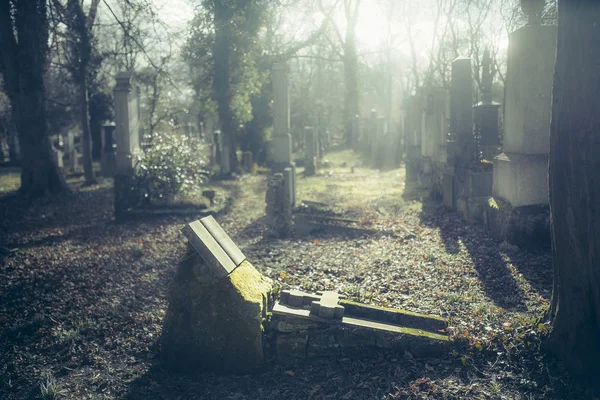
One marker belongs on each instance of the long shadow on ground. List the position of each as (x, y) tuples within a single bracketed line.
[(498, 281)]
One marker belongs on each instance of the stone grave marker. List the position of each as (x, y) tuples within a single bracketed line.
[(334, 326), (217, 305)]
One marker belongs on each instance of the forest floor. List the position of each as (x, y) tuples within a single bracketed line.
[(82, 298)]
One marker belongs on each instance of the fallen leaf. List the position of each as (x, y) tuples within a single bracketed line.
[(289, 372)]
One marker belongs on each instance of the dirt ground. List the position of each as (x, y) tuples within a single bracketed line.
[(82, 298)]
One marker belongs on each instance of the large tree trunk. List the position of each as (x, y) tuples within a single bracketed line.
[(575, 188), (222, 80), (23, 65)]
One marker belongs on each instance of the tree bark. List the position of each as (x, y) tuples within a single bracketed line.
[(23, 65), (82, 50), (222, 80), (574, 179), (350, 59)]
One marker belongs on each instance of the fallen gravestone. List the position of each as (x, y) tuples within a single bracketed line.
[(309, 326), (217, 306)]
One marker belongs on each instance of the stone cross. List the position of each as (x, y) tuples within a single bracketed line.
[(327, 306)]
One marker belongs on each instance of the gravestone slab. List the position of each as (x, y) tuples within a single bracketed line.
[(214, 245), (217, 306)]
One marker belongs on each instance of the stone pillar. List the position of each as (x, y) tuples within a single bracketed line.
[(310, 151), (127, 137), (461, 144), (108, 157), (521, 171), (413, 138), (519, 210), (433, 140), (282, 140)]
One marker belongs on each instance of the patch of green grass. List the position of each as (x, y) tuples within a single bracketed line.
[(453, 298), (50, 389), (10, 181), (68, 336)]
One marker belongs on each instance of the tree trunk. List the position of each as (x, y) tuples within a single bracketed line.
[(86, 136), (23, 65), (222, 80), (575, 189), (351, 101)]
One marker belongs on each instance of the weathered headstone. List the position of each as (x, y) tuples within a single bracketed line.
[(520, 173), (281, 144), (310, 151), (127, 138), (217, 305), (413, 127), (279, 207), (461, 143)]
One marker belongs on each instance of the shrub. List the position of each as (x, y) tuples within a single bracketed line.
[(173, 163)]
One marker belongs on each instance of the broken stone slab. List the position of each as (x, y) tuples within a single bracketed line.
[(215, 326), (361, 329), (393, 315), (214, 245)]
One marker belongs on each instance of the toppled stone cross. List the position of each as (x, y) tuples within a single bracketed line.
[(327, 307)]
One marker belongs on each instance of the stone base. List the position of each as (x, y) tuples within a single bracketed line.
[(527, 226), (215, 326), (425, 177), (476, 191), (520, 179), (359, 335), (449, 192)]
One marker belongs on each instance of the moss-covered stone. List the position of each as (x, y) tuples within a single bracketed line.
[(215, 325)]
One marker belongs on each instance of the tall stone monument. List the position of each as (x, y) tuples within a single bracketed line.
[(412, 131), (281, 147), (282, 139), (520, 188), (433, 140), (127, 138), (460, 144)]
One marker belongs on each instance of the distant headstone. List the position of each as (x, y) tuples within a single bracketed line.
[(310, 151)]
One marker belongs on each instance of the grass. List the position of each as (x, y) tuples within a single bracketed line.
[(378, 189), (50, 389)]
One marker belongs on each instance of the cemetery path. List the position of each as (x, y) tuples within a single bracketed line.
[(82, 298)]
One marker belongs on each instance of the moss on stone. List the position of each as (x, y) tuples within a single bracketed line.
[(214, 325)]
